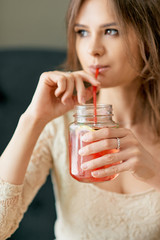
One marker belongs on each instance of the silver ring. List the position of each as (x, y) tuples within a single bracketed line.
[(118, 143)]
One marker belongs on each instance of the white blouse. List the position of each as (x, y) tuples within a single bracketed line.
[(84, 211)]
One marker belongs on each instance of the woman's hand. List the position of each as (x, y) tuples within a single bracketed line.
[(132, 156), (54, 94)]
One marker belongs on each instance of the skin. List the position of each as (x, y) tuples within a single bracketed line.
[(118, 79)]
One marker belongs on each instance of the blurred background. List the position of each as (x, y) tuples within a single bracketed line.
[(33, 23), (32, 40)]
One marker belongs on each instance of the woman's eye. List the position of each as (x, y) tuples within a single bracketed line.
[(82, 33), (111, 32)]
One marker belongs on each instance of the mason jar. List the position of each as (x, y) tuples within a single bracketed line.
[(85, 121)]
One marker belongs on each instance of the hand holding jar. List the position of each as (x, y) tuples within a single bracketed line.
[(132, 156)]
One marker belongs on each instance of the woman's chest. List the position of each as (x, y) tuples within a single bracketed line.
[(95, 212), (126, 182)]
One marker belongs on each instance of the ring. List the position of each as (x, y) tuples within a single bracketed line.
[(118, 143)]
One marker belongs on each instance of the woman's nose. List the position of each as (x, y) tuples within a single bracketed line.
[(96, 48)]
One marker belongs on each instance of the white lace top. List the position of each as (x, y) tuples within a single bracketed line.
[(84, 211)]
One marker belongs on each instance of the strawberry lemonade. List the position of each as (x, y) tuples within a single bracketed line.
[(77, 130)]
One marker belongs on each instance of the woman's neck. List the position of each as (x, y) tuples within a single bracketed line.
[(125, 108), (123, 102)]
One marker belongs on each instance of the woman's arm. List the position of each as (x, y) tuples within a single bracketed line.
[(24, 166), (53, 97), (14, 199), (15, 159)]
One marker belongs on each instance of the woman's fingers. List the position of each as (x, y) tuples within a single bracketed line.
[(112, 170), (65, 83), (55, 80), (61, 86), (107, 138), (115, 161), (80, 88), (109, 159), (131, 156), (99, 146), (83, 93), (103, 145), (60, 80), (111, 164), (70, 82), (105, 133)]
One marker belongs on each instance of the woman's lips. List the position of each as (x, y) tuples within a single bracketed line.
[(101, 68)]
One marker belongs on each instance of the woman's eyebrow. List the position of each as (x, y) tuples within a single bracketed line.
[(102, 26), (108, 24), (80, 25)]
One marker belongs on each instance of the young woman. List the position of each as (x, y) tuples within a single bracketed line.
[(122, 40)]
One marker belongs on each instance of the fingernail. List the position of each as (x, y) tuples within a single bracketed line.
[(85, 138), (64, 101), (94, 174), (81, 152), (98, 83), (83, 100), (84, 166)]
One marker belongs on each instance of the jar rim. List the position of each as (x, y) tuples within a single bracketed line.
[(88, 110), (92, 105)]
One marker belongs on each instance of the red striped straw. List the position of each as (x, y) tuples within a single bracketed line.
[(95, 97)]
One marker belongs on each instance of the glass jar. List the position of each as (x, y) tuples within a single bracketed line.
[(86, 121)]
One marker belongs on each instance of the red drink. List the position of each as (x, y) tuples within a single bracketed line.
[(75, 168), (84, 122)]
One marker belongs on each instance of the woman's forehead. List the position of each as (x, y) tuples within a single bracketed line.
[(96, 11)]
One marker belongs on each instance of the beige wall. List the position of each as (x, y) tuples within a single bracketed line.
[(33, 23)]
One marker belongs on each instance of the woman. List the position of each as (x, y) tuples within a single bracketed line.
[(121, 39)]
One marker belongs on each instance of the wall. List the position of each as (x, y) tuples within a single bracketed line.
[(33, 23)]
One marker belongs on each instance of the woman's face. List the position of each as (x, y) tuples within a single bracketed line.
[(99, 44)]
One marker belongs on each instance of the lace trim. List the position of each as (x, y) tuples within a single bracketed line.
[(8, 190), (9, 202)]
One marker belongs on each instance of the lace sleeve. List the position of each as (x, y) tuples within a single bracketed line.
[(14, 199)]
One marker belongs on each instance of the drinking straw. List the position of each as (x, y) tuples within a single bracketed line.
[(95, 97)]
